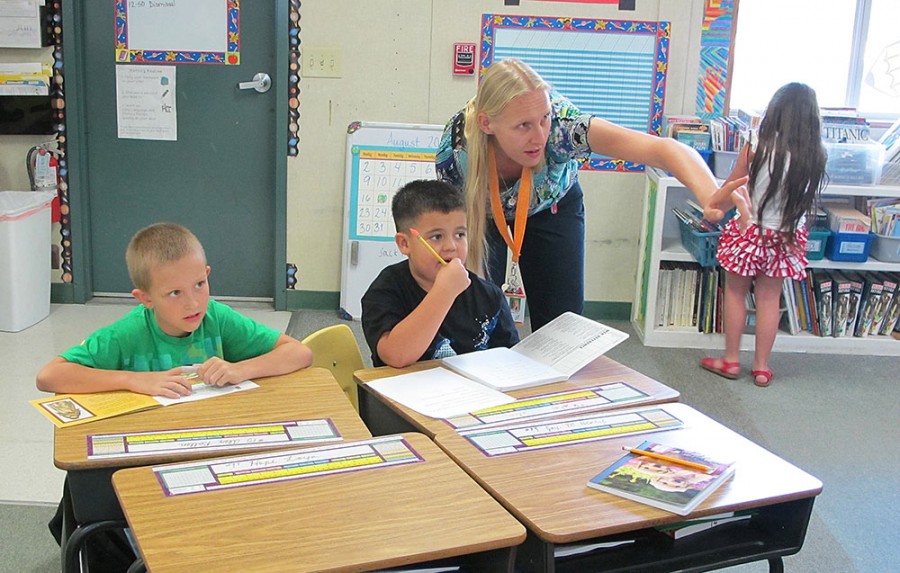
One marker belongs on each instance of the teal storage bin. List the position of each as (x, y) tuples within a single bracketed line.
[(701, 245), (849, 247), (815, 246)]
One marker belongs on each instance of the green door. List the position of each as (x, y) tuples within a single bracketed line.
[(219, 177)]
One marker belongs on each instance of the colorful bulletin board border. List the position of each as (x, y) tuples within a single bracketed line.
[(232, 55), (592, 63), (716, 38), (293, 147)]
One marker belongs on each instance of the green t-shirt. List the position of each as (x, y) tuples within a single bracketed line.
[(135, 342)]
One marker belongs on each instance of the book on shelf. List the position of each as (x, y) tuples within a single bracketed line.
[(694, 135), (823, 287), (687, 528), (811, 301), (890, 139), (856, 300), (842, 305), (670, 121), (844, 130), (891, 297), (749, 117), (791, 320), (870, 305), (552, 353), (663, 484)]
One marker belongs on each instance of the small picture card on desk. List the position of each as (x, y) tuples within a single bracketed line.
[(552, 353), (67, 410), (672, 479)]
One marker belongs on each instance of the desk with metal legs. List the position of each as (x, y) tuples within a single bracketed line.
[(546, 490), (89, 503), (373, 517)]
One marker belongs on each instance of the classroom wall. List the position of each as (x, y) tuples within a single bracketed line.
[(396, 60), (396, 66)]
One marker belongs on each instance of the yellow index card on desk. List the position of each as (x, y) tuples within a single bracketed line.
[(66, 410)]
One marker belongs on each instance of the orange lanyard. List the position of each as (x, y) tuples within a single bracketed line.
[(522, 203)]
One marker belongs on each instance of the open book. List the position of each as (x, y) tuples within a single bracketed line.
[(664, 484), (552, 353)]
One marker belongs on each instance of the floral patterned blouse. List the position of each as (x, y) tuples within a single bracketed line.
[(567, 147)]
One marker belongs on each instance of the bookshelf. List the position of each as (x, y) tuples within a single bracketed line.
[(660, 241)]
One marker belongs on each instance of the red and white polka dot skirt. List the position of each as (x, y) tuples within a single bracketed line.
[(762, 251)]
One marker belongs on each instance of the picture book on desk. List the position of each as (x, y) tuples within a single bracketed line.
[(66, 410), (552, 353), (663, 484)]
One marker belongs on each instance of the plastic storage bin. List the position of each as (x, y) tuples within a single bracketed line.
[(854, 163), (815, 246), (701, 245), (24, 258), (849, 247), (723, 163), (886, 249)]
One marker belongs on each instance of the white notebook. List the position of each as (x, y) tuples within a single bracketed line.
[(552, 353)]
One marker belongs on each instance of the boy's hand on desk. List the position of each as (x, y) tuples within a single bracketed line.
[(170, 384), (453, 278), (218, 372)]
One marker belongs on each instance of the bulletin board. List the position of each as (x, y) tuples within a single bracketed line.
[(381, 158), (614, 69), (172, 31)]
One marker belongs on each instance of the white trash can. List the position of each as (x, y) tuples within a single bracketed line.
[(24, 258)]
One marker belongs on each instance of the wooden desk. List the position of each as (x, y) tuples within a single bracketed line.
[(384, 416), (546, 490), (355, 521), (92, 505)]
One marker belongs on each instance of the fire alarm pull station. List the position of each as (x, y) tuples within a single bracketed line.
[(463, 59)]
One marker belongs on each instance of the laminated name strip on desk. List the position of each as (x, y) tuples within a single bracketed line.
[(257, 469), (534, 435)]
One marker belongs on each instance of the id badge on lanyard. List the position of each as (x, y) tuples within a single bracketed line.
[(513, 288)]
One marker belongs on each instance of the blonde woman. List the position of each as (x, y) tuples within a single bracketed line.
[(520, 142)]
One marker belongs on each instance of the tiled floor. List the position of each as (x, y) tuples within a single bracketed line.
[(26, 437)]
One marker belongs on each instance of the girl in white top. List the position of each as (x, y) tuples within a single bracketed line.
[(787, 170)]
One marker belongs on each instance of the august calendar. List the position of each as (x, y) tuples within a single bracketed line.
[(377, 174), (381, 158)]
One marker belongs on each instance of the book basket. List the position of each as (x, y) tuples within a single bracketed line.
[(701, 245)]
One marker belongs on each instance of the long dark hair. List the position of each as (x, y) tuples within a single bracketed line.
[(790, 134)]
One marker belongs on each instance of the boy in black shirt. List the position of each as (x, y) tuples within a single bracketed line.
[(429, 306)]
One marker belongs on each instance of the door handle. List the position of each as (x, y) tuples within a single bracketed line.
[(261, 83)]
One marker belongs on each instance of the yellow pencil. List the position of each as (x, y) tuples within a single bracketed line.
[(427, 246), (665, 458)]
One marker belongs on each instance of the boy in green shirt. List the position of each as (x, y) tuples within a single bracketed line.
[(176, 325)]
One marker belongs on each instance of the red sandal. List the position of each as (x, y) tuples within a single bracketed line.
[(730, 370), (765, 375)]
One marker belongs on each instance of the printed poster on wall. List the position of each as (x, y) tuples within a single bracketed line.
[(145, 103)]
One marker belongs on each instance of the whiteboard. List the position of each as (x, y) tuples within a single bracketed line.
[(177, 26), (381, 158)]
